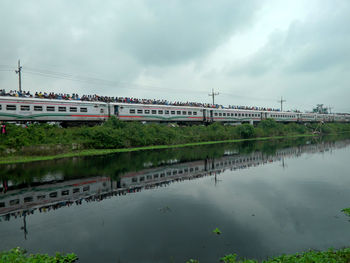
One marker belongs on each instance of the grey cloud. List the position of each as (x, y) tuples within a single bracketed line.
[(113, 40), (306, 47), (175, 31)]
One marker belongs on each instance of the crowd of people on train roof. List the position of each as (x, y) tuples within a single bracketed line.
[(74, 96)]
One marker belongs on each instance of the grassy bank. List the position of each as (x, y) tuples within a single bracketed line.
[(340, 256), (331, 255), (46, 142), (18, 255), (10, 159)]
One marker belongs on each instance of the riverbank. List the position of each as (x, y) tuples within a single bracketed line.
[(11, 159), (46, 142), (340, 256)]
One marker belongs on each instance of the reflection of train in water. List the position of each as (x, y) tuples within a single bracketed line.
[(52, 192)]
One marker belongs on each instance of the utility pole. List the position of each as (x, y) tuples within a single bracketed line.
[(330, 109), (213, 95), (19, 76), (281, 101)]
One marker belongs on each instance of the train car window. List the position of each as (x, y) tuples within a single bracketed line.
[(168, 173), (65, 192), (83, 109), (38, 108), (154, 112), (102, 110), (172, 112), (73, 109), (184, 113), (28, 199), (166, 112), (220, 114), (50, 108), (178, 112), (142, 178), (25, 107), (216, 114), (147, 111), (174, 172), (249, 115), (132, 111), (41, 197), (189, 113), (149, 177), (14, 202), (156, 176), (11, 107), (160, 112), (52, 195), (224, 114), (76, 190), (162, 175), (140, 111), (2, 204), (134, 179), (0, 107), (62, 109), (235, 114), (86, 188), (239, 115), (194, 113)]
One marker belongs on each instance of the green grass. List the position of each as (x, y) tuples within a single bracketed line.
[(18, 255), (11, 159), (312, 256), (346, 211)]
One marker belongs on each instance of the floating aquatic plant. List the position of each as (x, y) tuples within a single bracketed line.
[(346, 211), (217, 231)]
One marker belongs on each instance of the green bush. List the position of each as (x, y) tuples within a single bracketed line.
[(18, 255)]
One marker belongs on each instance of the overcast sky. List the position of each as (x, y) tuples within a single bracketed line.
[(251, 52)]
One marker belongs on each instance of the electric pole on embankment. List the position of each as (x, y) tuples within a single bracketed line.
[(281, 101), (330, 109), (18, 71), (213, 95)]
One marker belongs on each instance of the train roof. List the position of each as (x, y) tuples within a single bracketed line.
[(48, 100)]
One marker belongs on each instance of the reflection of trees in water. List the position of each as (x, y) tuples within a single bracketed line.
[(114, 165)]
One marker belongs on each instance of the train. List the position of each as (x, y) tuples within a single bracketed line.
[(69, 112)]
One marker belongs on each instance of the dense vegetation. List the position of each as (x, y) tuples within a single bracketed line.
[(336, 256), (116, 134), (312, 256), (18, 255)]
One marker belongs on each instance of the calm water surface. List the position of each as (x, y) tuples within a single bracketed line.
[(162, 206)]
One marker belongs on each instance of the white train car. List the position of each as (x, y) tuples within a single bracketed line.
[(234, 115), (156, 113), (51, 110), (283, 116)]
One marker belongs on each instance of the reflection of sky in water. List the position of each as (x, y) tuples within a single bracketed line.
[(261, 211)]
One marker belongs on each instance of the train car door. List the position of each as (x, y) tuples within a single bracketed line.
[(116, 110), (204, 115), (211, 116)]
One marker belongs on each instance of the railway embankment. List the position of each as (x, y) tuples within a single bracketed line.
[(44, 141)]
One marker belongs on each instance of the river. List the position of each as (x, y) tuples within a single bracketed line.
[(266, 198)]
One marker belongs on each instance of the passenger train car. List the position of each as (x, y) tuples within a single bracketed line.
[(74, 112)]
